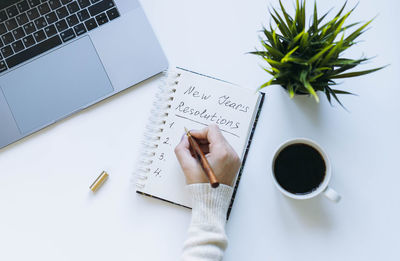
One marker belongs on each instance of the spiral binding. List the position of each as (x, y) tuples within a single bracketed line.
[(155, 126)]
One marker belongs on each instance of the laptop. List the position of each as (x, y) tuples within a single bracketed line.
[(58, 57)]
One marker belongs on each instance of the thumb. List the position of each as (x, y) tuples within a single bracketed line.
[(182, 152)]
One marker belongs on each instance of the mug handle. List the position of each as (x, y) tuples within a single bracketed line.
[(332, 195)]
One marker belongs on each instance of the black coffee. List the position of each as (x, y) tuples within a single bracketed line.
[(299, 168)]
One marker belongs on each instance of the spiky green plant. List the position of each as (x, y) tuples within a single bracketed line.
[(304, 61)]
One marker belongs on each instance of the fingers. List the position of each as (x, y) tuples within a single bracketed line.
[(205, 148), (219, 153), (184, 147), (190, 166), (182, 151), (201, 141), (200, 134), (212, 134)]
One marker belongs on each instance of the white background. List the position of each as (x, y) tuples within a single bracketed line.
[(48, 213)]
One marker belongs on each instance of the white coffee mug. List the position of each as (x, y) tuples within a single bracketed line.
[(323, 187)]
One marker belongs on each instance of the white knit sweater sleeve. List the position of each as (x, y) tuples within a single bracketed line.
[(206, 237)]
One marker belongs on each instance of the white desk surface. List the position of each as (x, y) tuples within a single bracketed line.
[(48, 213)]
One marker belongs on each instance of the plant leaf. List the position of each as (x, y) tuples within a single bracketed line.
[(332, 52), (260, 53), (341, 92), (311, 90), (296, 60), (275, 52), (315, 17), (267, 83), (316, 77), (307, 85), (307, 60), (355, 74), (275, 70), (304, 40), (328, 96), (302, 23), (335, 97), (288, 18), (285, 58), (323, 17), (341, 10), (349, 26), (296, 39), (318, 55), (268, 71), (290, 90), (268, 34), (274, 63), (281, 24), (357, 33)]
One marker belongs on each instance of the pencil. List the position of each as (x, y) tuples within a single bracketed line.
[(203, 160)]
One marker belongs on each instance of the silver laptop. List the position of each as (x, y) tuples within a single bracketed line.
[(60, 56)]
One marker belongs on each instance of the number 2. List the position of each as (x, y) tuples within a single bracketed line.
[(166, 140)]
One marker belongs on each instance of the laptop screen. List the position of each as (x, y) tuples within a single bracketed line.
[(5, 3)]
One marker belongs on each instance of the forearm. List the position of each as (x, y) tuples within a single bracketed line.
[(206, 237)]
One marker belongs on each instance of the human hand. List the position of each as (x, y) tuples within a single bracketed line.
[(222, 158)]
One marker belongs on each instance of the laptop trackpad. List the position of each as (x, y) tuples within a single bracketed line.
[(55, 85)]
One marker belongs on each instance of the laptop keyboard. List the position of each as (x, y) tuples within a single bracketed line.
[(32, 27)]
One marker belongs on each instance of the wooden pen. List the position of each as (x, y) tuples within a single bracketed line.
[(203, 160)]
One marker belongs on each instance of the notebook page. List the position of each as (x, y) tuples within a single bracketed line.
[(197, 102)]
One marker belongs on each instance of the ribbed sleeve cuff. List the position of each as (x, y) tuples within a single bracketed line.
[(210, 205)]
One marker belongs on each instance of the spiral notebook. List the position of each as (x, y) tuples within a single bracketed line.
[(192, 100)]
